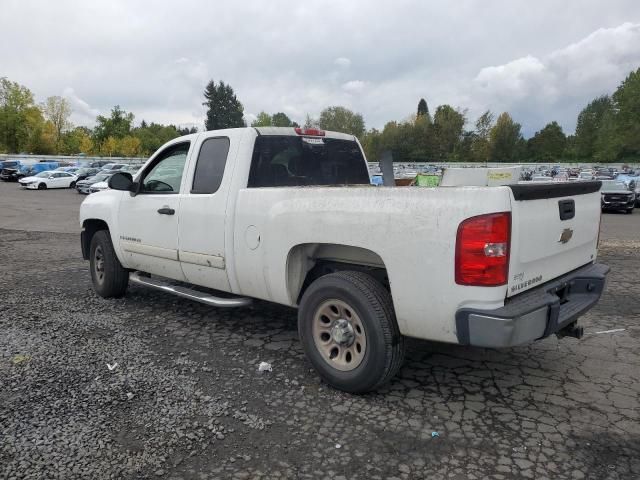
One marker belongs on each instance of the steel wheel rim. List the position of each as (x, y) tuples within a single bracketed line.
[(339, 335), (98, 263)]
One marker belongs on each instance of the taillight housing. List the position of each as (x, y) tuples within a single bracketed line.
[(482, 250), (310, 132)]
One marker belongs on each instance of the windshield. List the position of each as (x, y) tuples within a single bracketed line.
[(304, 161)]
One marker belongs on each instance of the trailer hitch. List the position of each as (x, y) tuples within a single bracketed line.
[(571, 330)]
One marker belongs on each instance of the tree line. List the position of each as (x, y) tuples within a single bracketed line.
[(607, 129), (46, 129)]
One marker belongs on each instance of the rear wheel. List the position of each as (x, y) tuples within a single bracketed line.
[(72, 185), (348, 329), (109, 278), (42, 186)]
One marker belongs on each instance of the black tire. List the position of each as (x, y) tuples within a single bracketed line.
[(42, 186), (72, 185), (109, 278), (373, 307)]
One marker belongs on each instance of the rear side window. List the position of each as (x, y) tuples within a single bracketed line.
[(210, 166), (280, 161)]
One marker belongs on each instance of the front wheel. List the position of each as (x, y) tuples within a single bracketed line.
[(348, 330), (109, 278), (72, 185), (42, 186)]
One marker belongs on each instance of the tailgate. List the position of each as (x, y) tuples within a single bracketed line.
[(554, 231)]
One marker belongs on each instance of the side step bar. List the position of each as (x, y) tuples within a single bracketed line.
[(140, 279)]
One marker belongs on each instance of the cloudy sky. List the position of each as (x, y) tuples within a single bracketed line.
[(540, 60)]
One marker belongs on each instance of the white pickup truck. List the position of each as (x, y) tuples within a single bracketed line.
[(289, 216)]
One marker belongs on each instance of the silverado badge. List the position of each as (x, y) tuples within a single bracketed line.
[(566, 235)]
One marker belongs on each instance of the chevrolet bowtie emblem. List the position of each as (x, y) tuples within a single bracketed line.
[(566, 235)]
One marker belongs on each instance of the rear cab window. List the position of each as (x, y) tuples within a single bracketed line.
[(287, 160), (210, 165)]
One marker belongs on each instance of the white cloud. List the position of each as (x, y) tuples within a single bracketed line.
[(83, 114), (557, 85), (342, 62), (353, 86)]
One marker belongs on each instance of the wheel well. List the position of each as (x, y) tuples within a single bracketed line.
[(90, 227), (310, 261)]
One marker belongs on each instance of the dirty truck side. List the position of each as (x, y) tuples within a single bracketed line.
[(289, 216)]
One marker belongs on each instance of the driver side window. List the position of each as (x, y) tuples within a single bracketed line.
[(166, 171)]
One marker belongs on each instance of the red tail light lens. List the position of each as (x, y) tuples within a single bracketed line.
[(310, 132), (482, 250)]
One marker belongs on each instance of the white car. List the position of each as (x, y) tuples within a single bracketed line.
[(98, 187), (289, 216), (49, 179)]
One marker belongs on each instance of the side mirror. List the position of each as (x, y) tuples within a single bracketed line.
[(50, 177), (121, 181)]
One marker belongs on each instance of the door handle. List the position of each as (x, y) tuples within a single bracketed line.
[(166, 211)]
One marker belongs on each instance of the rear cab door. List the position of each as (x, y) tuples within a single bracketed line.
[(205, 215)]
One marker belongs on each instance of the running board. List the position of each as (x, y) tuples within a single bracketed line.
[(184, 292)]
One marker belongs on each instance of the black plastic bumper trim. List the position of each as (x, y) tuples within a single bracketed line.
[(566, 298)]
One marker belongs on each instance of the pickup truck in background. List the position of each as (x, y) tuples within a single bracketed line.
[(289, 216)]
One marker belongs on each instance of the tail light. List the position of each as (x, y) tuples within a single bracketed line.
[(482, 250), (310, 132)]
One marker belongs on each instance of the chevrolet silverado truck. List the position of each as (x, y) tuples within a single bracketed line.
[(289, 216)]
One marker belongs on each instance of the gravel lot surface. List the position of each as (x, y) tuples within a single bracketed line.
[(151, 386)]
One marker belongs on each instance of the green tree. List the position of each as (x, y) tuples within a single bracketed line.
[(76, 141), (480, 148), (506, 140), (224, 110), (423, 109), (262, 120), (448, 124), (58, 110), (341, 119), (153, 135), (281, 119), (626, 100), (547, 144), (20, 119), (588, 125), (117, 125)]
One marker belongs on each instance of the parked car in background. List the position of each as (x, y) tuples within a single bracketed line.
[(9, 170), (49, 179), (113, 167), (85, 172), (83, 186), (99, 186), (99, 164), (15, 174), (616, 196)]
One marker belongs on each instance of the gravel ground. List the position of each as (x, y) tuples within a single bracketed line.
[(184, 398)]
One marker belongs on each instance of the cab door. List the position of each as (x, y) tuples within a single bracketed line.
[(203, 215), (149, 217)]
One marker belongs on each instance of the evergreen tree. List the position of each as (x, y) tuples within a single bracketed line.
[(423, 109), (548, 144), (224, 110)]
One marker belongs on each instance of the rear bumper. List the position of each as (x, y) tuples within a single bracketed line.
[(534, 314)]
